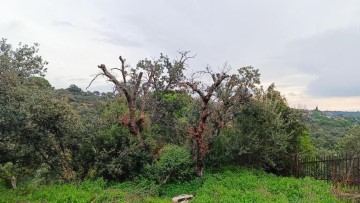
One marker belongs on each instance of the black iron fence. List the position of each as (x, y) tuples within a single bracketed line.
[(344, 169)]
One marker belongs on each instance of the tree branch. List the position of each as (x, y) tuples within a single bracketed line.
[(112, 78), (100, 74), (195, 88), (123, 72)]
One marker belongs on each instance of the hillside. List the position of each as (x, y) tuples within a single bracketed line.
[(326, 128)]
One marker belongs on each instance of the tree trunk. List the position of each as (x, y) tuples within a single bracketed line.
[(134, 124), (201, 142), (199, 167), (13, 182)]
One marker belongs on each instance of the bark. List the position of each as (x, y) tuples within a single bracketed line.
[(131, 94), (198, 132), (13, 182), (199, 167)]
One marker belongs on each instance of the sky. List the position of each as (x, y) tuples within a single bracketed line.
[(310, 49)]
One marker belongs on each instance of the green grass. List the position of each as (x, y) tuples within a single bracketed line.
[(229, 185)]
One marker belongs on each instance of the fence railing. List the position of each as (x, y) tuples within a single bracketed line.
[(343, 169)]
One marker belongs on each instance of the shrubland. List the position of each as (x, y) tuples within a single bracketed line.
[(156, 136)]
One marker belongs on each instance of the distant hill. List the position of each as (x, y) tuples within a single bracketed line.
[(343, 114), (348, 115), (326, 128)]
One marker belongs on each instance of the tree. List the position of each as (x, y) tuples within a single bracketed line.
[(169, 116), (265, 133), (350, 143), (17, 70), (136, 83), (216, 101), (35, 127), (74, 89), (39, 82), (116, 152), (47, 132), (53, 132), (17, 66), (23, 60)]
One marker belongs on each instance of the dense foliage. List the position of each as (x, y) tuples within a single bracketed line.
[(330, 130), (173, 165), (159, 128), (266, 133)]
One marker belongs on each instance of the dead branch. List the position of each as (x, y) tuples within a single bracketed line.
[(100, 74)]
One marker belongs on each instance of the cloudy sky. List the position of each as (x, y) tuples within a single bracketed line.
[(309, 48)]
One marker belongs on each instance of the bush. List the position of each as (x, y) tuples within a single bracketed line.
[(174, 164), (118, 155), (266, 134)]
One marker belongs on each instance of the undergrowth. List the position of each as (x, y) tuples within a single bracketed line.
[(228, 185)]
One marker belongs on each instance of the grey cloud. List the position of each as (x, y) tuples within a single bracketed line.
[(240, 32), (333, 57)]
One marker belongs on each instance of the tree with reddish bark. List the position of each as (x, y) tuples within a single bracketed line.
[(136, 83), (217, 101)]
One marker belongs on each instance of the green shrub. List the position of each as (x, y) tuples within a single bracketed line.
[(266, 134), (118, 155), (174, 164)]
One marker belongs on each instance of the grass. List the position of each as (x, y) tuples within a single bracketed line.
[(229, 185)]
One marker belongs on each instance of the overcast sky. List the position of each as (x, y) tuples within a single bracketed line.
[(309, 48)]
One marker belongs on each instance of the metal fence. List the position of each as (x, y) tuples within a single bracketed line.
[(344, 169)]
